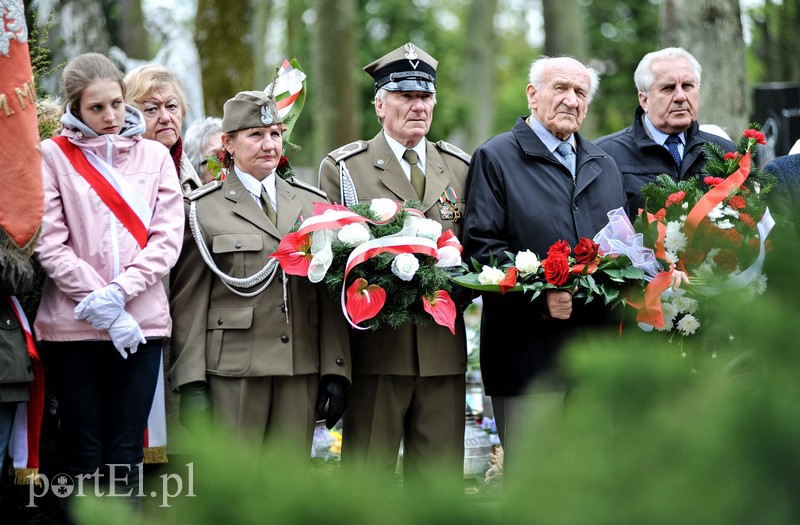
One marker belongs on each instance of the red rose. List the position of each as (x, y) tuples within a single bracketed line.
[(713, 181), (730, 156), (755, 135), (737, 202), (726, 260), (586, 251), (556, 268), (675, 198), (559, 247)]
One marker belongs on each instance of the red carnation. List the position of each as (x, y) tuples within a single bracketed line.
[(661, 214), (675, 198), (726, 260), (586, 251), (692, 256), (713, 181), (730, 155), (747, 220), (556, 268), (559, 247), (755, 135), (734, 237), (737, 202)]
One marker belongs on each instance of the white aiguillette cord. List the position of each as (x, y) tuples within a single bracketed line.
[(267, 272)]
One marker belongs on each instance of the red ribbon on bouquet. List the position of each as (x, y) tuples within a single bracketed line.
[(716, 195)]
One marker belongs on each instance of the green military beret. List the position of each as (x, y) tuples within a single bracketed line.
[(407, 68), (249, 109)]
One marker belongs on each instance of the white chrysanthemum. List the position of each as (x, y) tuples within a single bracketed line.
[(688, 325), (674, 239), (353, 234), (705, 271), (756, 287), (491, 275), (527, 263), (716, 212), (671, 256), (685, 205), (724, 224), (686, 304), (730, 212), (669, 312)]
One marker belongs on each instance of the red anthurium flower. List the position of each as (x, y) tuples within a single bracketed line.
[(675, 198), (448, 238), (586, 251), (559, 247), (442, 309), (755, 135), (509, 281), (294, 253), (364, 300), (322, 207)]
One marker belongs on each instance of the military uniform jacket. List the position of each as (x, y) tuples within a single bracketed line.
[(218, 332), (429, 350)]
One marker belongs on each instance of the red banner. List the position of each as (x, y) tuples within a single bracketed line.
[(22, 204)]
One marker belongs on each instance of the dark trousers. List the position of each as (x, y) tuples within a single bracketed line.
[(104, 401)]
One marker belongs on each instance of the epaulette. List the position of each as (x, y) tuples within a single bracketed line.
[(300, 184), (454, 151), (204, 190), (348, 150)]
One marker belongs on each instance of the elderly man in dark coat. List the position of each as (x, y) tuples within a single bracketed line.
[(527, 188)]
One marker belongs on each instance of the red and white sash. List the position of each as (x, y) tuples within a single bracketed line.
[(129, 207), (27, 427)]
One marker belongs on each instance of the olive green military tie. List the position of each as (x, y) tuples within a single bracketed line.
[(267, 205), (417, 177)]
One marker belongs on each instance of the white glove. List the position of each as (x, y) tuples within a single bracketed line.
[(126, 333), (101, 307)]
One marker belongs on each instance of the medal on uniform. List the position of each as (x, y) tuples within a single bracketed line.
[(448, 210)]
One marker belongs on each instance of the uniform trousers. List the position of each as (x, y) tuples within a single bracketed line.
[(426, 413), (275, 409)]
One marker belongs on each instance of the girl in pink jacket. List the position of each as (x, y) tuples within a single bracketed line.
[(112, 228)]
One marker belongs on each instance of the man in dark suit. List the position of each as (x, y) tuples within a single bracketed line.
[(408, 383), (665, 136), (785, 197), (529, 187)]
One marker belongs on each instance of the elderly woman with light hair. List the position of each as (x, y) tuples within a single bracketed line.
[(158, 93), (203, 140)]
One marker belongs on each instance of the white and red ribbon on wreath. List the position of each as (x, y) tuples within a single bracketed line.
[(298, 254)]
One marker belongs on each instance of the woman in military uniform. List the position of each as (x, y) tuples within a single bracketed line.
[(263, 348)]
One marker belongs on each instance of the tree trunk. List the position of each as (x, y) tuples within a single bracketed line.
[(564, 34), (478, 73), (711, 30), (224, 43), (130, 26), (334, 97)]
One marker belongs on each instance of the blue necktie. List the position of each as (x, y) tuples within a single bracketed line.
[(672, 146), (565, 150)]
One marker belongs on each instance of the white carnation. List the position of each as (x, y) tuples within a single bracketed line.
[(674, 239), (688, 325), (527, 263), (428, 229), (353, 234), (405, 266), (385, 209), (491, 275)]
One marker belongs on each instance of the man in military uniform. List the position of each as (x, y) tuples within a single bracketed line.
[(408, 383), (246, 336)]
